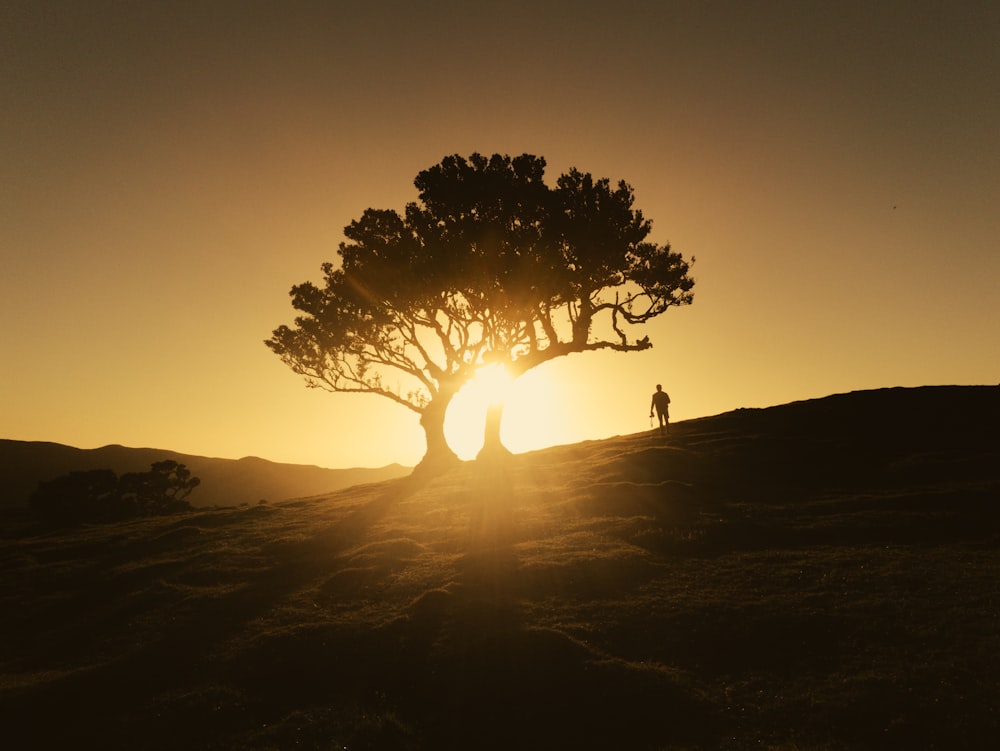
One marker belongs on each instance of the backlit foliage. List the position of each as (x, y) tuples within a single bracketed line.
[(489, 265)]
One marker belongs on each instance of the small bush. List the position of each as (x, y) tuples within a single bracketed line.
[(99, 495)]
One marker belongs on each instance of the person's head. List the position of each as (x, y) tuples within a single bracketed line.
[(659, 387)]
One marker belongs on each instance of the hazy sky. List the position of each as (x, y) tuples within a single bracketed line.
[(169, 170)]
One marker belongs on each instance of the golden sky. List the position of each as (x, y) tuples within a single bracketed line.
[(169, 170)]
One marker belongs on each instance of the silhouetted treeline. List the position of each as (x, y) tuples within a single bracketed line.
[(99, 495)]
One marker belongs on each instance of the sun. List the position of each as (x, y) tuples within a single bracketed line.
[(466, 418), (527, 401), (492, 384)]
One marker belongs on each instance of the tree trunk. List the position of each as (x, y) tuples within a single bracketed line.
[(439, 457), (492, 445)]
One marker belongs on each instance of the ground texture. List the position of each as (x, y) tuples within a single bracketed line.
[(822, 575)]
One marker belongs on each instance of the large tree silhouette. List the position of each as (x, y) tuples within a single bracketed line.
[(555, 271), (489, 265)]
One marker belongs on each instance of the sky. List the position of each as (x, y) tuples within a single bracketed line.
[(169, 170)]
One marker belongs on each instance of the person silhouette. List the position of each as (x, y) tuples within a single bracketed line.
[(661, 403)]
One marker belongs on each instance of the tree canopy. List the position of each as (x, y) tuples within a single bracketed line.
[(490, 264), (99, 495)]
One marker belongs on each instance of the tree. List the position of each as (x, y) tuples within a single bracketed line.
[(489, 266), (393, 319), (77, 497), (162, 490), (99, 495), (559, 271)]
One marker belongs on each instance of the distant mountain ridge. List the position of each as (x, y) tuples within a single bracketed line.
[(861, 425), (224, 482)]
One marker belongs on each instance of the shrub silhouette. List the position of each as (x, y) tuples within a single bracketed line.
[(99, 495)]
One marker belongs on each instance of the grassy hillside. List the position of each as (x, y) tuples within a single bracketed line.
[(823, 575)]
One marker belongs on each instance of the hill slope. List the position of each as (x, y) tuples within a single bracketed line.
[(823, 575), (226, 482)]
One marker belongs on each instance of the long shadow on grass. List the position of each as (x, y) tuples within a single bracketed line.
[(132, 695), (485, 677)]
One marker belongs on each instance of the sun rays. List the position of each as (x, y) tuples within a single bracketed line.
[(466, 418)]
